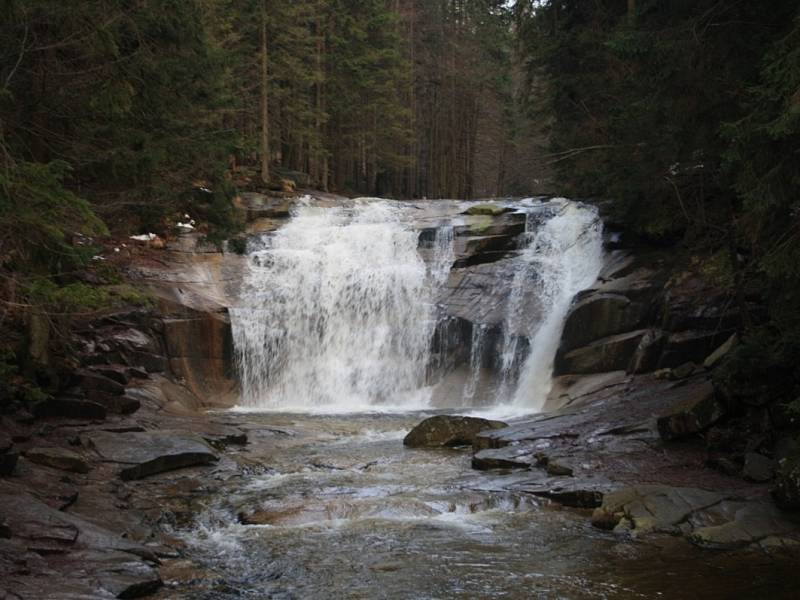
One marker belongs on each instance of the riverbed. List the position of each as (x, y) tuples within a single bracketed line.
[(341, 509)]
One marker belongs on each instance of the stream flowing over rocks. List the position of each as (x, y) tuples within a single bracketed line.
[(431, 399)]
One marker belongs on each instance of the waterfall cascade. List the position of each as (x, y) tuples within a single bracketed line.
[(337, 310)]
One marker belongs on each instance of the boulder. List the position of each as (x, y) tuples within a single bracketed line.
[(491, 210), (70, 409), (92, 381), (608, 354), (697, 411), (601, 315), (58, 458), (645, 358), (151, 452), (735, 524), (757, 467), (117, 405), (117, 373), (692, 345), (448, 431), (509, 225), (652, 508)]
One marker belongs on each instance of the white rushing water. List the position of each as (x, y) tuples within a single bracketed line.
[(337, 314), (563, 257)]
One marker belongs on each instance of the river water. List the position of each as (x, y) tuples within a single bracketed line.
[(333, 337), (345, 511)]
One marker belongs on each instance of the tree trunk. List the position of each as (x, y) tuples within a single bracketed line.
[(265, 175)]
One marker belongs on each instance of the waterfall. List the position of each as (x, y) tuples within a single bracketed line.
[(443, 254), (563, 257), (336, 312)]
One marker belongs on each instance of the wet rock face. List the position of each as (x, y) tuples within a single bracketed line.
[(110, 566), (602, 356), (447, 431), (601, 315)]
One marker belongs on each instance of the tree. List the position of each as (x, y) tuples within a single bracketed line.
[(265, 157)]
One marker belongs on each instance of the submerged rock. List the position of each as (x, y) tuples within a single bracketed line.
[(448, 431)]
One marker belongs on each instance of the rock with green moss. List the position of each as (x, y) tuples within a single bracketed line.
[(448, 431), (490, 210)]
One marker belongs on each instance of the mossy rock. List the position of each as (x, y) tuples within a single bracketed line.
[(490, 210), (480, 225)]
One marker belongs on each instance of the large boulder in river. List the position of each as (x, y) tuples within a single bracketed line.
[(448, 431)]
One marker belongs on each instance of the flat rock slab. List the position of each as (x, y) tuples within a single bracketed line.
[(655, 508), (46, 530), (151, 452), (585, 492), (510, 457), (735, 524), (58, 458), (448, 431), (708, 519)]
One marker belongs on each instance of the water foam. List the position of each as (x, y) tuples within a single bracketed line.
[(336, 313)]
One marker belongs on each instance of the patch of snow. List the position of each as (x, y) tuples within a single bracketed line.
[(145, 237)]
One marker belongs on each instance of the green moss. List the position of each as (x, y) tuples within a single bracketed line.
[(128, 294), (480, 225), (75, 297), (491, 210)]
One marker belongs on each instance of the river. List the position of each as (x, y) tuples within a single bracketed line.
[(344, 342)]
